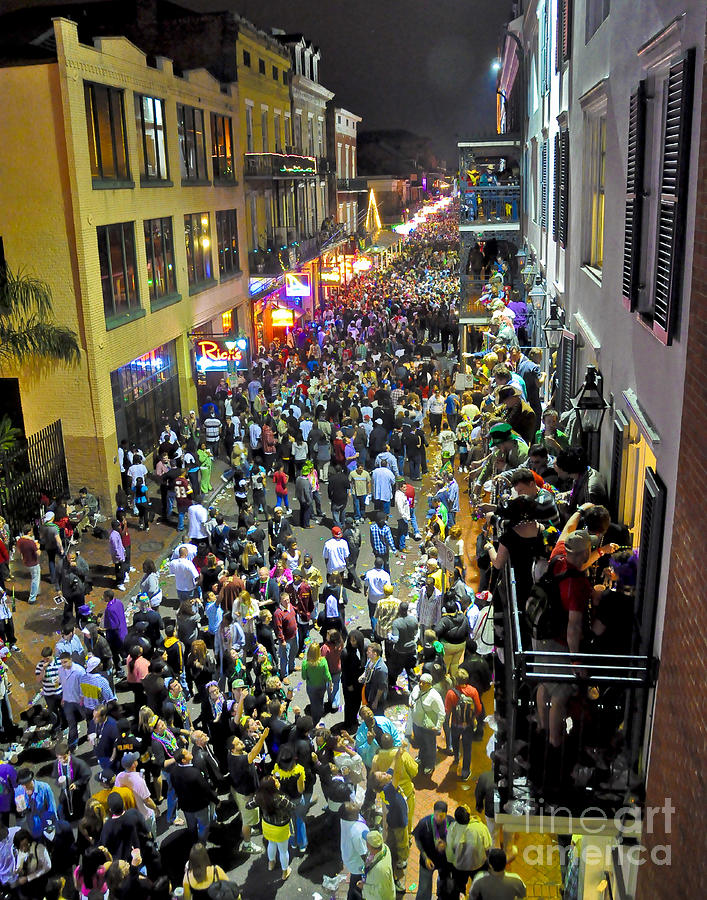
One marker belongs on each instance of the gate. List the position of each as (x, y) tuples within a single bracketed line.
[(35, 468)]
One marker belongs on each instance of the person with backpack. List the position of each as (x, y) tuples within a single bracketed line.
[(463, 707), (200, 876)]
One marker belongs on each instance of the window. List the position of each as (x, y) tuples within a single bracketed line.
[(298, 131), (310, 135), (561, 187), (159, 250), (320, 138), (249, 142), (544, 180), (227, 237), (658, 160), (253, 216), (246, 58), (116, 255), (595, 166), (275, 73), (261, 66), (544, 40), (597, 11), (277, 128), (288, 130), (149, 114), (563, 37), (192, 143), (222, 147), (264, 129), (107, 138), (197, 237)]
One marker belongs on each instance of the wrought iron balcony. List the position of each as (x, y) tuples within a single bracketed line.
[(352, 185), (281, 166), (485, 205), (600, 762)]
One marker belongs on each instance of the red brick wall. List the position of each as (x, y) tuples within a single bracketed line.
[(677, 762)]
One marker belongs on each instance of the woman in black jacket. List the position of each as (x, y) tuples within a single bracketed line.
[(353, 662)]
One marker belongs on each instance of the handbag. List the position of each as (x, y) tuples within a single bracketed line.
[(222, 890)]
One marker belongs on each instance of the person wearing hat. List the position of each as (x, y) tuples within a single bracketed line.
[(427, 720), (95, 689), (377, 882), (50, 539), (508, 450), (35, 805), (135, 782), (336, 552), (517, 412)]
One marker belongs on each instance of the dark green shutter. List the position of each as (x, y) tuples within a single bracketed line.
[(634, 196)]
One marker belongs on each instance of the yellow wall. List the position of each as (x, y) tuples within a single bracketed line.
[(50, 212)]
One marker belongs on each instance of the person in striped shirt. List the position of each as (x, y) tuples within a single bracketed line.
[(47, 675)]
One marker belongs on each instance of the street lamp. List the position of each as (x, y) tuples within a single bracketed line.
[(589, 404), (521, 256), (496, 65), (537, 294), (553, 328)]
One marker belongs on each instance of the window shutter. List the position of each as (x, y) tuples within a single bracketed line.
[(564, 186), (649, 553), (617, 462), (566, 26), (565, 372), (673, 196), (634, 195), (543, 187), (556, 188)]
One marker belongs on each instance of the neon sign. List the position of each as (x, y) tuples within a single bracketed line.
[(331, 276), (283, 318), (217, 355), (297, 284)]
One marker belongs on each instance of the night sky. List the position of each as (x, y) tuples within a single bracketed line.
[(421, 65)]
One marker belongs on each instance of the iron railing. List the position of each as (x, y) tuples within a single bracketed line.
[(36, 468), (489, 204), (352, 185)]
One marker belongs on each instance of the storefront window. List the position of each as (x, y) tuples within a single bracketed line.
[(145, 392), (197, 237)]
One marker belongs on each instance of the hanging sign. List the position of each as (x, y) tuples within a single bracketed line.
[(216, 354)]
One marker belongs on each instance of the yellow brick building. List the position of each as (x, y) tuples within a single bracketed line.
[(123, 190)]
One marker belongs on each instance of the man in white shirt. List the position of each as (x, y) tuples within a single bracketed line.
[(336, 552), (374, 582), (135, 781), (185, 574), (197, 514), (191, 549), (136, 470)]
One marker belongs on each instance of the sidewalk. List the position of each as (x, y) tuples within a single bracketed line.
[(38, 625)]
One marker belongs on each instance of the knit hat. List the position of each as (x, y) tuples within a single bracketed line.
[(374, 839)]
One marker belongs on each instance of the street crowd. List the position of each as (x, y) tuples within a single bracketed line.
[(187, 718)]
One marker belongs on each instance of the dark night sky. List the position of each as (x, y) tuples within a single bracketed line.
[(421, 65)]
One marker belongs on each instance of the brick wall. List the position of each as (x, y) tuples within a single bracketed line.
[(677, 768)]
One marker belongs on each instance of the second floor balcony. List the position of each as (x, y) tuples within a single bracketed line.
[(352, 185), (283, 166), (497, 206)]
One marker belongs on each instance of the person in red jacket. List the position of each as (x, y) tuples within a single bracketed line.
[(463, 708), (285, 624), (280, 480)]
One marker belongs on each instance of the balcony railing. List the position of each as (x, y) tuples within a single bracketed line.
[(281, 166), (352, 185), (489, 204), (284, 253), (600, 761)]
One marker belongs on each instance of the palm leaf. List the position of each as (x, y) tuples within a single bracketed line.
[(9, 435)]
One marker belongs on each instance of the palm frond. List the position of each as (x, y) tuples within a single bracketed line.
[(22, 294), (9, 435), (39, 339)]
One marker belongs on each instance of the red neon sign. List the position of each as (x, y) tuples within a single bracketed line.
[(213, 354)]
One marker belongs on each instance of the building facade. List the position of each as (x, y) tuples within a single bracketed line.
[(611, 104), (132, 212), (350, 189)]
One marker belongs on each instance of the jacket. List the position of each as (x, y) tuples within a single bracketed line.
[(193, 790), (379, 883), (453, 629), (278, 814), (428, 711)]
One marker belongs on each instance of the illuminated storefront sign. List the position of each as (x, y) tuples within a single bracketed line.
[(362, 264), (283, 318), (303, 165), (216, 354), (297, 284), (331, 276)]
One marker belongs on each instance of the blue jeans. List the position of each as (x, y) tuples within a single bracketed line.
[(426, 740), (73, 715), (413, 521), (359, 507), (316, 699), (401, 463), (288, 654), (382, 504), (424, 883), (337, 514), (298, 822), (171, 501), (171, 799), (335, 690), (185, 595), (198, 823), (414, 467), (465, 735), (180, 520), (451, 518), (281, 847), (283, 500), (402, 533), (35, 574)]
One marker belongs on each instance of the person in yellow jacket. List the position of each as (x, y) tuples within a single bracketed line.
[(404, 770)]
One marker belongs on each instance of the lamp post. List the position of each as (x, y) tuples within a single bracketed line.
[(590, 408), (537, 297), (553, 328)]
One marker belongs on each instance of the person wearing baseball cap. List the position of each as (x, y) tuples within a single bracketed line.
[(377, 882), (134, 781), (508, 451), (336, 552)]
